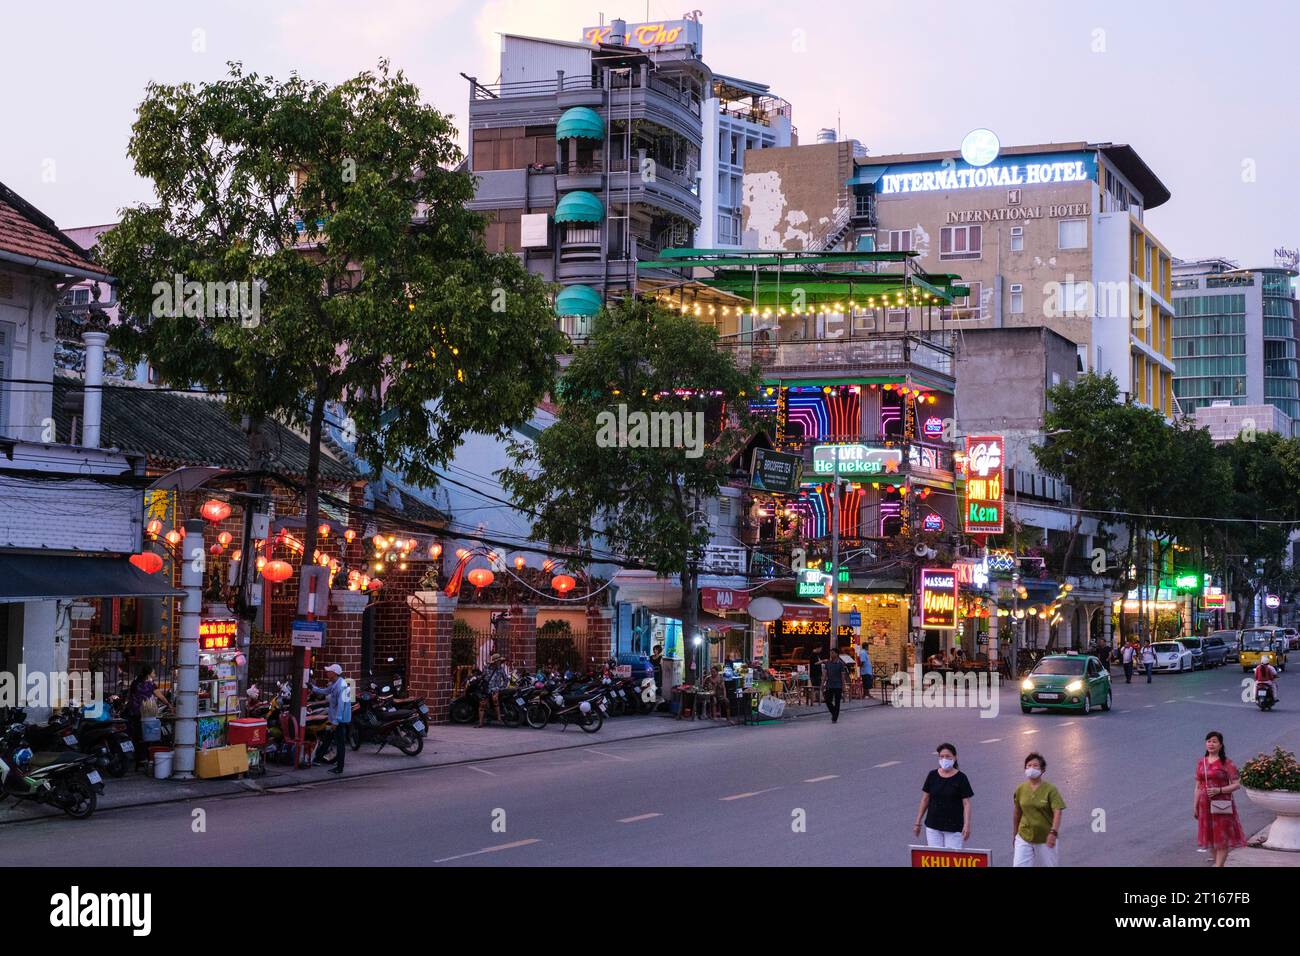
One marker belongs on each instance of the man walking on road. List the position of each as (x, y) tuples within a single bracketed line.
[(833, 674), (1126, 655), (1148, 659)]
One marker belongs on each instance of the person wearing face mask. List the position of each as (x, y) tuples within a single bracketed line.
[(1037, 816), (945, 803)]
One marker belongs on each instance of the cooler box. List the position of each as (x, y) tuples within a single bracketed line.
[(221, 761), (250, 731)]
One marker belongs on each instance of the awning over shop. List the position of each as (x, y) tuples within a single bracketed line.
[(866, 176), (578, 300), (45, 577), (580, 206), (580, 122)]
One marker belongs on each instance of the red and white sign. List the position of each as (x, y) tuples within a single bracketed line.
[(723, 599), (928, 856)]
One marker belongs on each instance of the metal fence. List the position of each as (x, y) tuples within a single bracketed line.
[(119, 657)]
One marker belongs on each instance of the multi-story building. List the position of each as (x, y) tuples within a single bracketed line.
[(1050, 235), (1235, 336), (596, 154)]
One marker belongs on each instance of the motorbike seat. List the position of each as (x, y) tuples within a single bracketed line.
[(48, 759)]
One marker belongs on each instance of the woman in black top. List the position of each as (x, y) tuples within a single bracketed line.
[(945, 803)]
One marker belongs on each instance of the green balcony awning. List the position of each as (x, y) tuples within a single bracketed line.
[(580, 122), (578, 300), (580, 206)]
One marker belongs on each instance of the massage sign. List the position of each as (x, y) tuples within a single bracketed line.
[(938, 598), (985, 489)]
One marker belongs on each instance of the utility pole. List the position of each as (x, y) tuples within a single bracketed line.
[(835, 555), (187, 677)]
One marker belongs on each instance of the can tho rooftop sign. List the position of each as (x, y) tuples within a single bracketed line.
[(655, 35), (985, 489)]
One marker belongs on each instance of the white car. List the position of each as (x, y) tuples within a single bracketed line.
[(1172, 656)]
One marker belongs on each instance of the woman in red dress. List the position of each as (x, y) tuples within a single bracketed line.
[(1216, 779)]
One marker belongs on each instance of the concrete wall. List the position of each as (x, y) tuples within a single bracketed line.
[(27, 304), (790, 193)]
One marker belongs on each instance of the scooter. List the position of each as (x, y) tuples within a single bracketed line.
[(371, 722), (65, 780), (105, 738), (587, 708), (1264, 696)]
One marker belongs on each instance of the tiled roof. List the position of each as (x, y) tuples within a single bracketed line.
[(26, 231), (186, 429)]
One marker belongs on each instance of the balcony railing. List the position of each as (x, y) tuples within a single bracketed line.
[(875, 352)]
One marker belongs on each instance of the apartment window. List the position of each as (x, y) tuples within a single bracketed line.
[(1074, 300), (900, 240), (960, 242), (1017, 238), (1017, 306), (1072, 234)]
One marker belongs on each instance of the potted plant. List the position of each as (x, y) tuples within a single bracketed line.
[(1273, 782)]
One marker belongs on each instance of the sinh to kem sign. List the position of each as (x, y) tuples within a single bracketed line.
[(985, 490)]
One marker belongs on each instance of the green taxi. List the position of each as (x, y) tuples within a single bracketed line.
[(1066, 682)]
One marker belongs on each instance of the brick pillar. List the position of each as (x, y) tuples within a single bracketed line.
[(522, 630), (599, 633), (343, 632), (428, 671), (82, 615)]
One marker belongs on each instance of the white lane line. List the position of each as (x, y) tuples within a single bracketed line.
[(638, 819), (887, 763), (611, 756), (829, 776), (742, 796), (991, 740), (1066, 724), (1171, 701), (490, 849), (1028, 732), (481, 770), (1148, 706)]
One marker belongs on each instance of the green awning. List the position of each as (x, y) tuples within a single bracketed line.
[(580, 122), (866, 175), (578, 300), (580, 206)]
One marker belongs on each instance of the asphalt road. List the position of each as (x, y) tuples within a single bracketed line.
[(731, 796)]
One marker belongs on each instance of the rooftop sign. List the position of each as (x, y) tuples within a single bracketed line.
[(1010, 172), (655, 35)]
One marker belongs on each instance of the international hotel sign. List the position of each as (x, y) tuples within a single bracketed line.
[(1062, 210), (1009, 172)]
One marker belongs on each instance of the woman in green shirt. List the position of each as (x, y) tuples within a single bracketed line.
[(1036, 818)]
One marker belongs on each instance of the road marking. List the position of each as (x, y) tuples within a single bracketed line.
[(1066, 724), (481, 770), (490, 849), (752, 793), (638, 819), (611, 756), (1028, 732), (1148, 706), (829, 776), (887, 763), (991, 740), (1171, 701)]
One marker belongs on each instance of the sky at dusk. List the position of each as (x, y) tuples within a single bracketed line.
[(1205, 92)]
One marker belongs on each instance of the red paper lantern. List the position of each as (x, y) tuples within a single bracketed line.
[(224, 539), (563, 583), (375, 584), (174, 537), (147, 561), (215, 549), (277, 571), (215, 510), (519, 563), (154, 527), (481, 577)]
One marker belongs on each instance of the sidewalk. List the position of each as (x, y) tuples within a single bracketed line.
[(1254, 854), (446, 745)]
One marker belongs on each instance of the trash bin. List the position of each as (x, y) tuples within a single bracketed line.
[(162, 764)]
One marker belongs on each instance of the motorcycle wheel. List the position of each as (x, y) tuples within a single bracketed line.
[(408, 741), (116, 766), (617, 707), (462, 711), (84, 799), (538, 715), (354, 737), (592, 722), (510, 716)]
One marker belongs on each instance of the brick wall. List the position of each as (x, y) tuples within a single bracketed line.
[(83, 616), (522, 631), (343, 632), (428, 672), (599, 633)]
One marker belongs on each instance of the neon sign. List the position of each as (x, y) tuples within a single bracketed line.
[(985, 491), (855, 460), (948, 175), (938, 598), (217, 634), (646, 36)]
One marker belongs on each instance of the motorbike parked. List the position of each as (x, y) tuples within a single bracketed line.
[(513, 702), (104, 737), (583, 705), (50, 737), (372, 721), (65, 780)]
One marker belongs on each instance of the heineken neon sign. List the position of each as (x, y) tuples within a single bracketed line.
[(855, 461)]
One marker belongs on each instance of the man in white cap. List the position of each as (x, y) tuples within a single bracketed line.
[(340, 708)]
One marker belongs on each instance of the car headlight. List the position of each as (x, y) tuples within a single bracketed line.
[(1027, 684), (1074, 686)]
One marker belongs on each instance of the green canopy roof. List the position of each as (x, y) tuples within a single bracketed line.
[(580, 300), (580, 122), (580, 206)]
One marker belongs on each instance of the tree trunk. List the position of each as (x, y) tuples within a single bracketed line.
[(311, 511)]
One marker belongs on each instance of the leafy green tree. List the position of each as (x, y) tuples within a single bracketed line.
[(337, 266), (585, 481)]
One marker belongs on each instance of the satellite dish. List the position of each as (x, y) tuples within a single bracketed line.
[(766, 609)]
